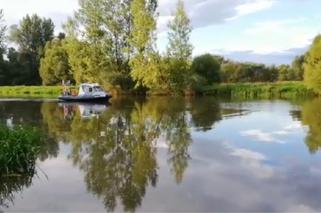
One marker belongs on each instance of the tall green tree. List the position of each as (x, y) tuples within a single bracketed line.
[(3, 67), (31, 36), (179, 48), (285, 73), (208, 67), (107, 27), (312, 66), (54, 66), (298, 68), (144, 63), (13, 73), (2, 36)]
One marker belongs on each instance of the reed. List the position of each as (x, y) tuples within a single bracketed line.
[(19, 149), (259, 90)]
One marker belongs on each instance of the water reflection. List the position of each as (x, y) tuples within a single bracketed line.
[(116, 145), (123, 150), (10, 185), (310, 115), (116, 148)]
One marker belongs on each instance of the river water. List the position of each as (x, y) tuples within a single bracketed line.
[(170, 154)]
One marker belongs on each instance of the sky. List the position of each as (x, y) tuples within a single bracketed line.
[(261, 31)]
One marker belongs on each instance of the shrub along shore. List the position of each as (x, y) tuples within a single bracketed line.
[(231, 90)]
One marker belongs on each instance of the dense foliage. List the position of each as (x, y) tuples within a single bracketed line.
[(208, 67), (31, 36), (179, 50), (54, 66), (144, 61), (113, 43), (312, 67)]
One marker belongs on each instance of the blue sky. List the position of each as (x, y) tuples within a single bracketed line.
[(264, 31)]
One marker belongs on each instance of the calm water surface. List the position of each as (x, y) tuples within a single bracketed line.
[(170, 154)]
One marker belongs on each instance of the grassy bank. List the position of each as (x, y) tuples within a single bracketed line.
[(239, 90), (259, 90), (30, 91)]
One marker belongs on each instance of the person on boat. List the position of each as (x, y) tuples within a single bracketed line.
[(66, 90)]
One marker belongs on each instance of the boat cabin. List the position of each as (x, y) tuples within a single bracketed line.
[(90, 90)]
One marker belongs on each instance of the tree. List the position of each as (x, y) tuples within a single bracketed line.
[(208, 67), (13, 70), (107, 28), (2, 36), (86, 61), (145, 61), (54, 66), (3, 67), (298, 68), (180, 49), (285, 73), (31, 36), (312, 66)]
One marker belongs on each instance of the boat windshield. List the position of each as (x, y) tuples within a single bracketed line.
[(98, 89)]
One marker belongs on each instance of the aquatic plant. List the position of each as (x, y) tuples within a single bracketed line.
[(19, 148)]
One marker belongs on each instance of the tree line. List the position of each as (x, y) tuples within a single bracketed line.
[(113, 43)]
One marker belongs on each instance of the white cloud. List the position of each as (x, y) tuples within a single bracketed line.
[(253, 162), (58, 10), (205, 13), (270, 137), (259, 135), (279, 35), (281, 132), (294, 126), (252, 7), (248, 155)]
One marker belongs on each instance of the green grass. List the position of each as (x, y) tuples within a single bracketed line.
[(237, 90), (259, 90), (30, 91), (19, 149)]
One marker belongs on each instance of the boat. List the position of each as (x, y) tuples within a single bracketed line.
[(87, 93)]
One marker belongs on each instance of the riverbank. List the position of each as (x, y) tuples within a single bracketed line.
[(239, 90), (30, 91), (259, 90)]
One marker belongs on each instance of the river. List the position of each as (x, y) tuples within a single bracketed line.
[(170, 154)]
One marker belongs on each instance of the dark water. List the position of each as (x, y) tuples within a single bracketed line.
[(170, 154)]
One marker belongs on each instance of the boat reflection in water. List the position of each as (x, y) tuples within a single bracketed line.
[(86, 110)]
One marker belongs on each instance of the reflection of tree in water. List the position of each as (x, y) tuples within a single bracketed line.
[(117, 149), (311, 116), (205, 112), (53, 119), (20, 112), (121, 164), (179, 139)]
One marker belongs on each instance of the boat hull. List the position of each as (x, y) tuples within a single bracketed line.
[(84, 98)]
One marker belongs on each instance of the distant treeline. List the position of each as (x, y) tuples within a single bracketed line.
[(114, 43)]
